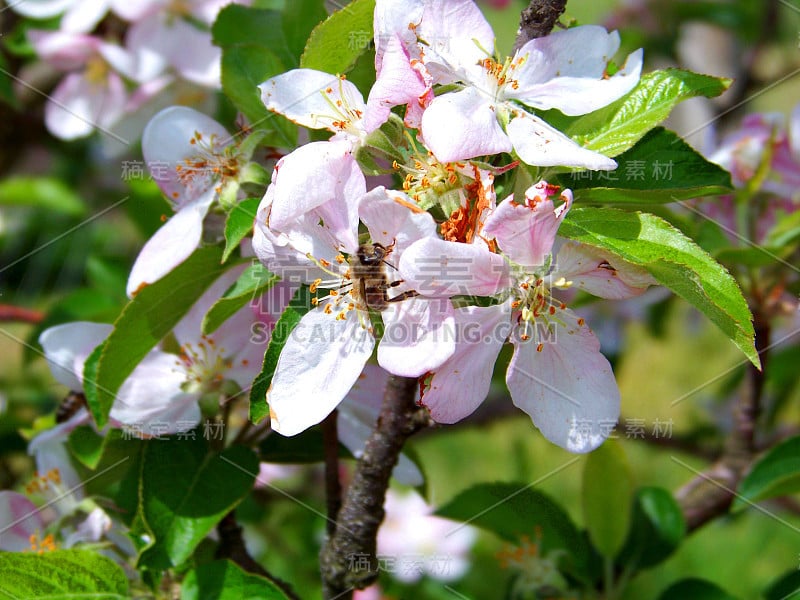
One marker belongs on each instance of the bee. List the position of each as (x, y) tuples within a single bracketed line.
[(70, 406), (370, 279)]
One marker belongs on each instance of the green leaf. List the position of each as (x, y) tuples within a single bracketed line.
[(42, 192), (514, 511), (223, 580), (786, 587), (253, 282), (607, 494), (97, 408), (657, 529), (184, 491), (244, 68), (61, 574), (695, 589), (151, 315), (86, 445), (239, 223), (237, 24), (300, 17), (618, 126), (777, 473), (674, 260), (299, 305), (303, 448), (336, 43), (660, 168)]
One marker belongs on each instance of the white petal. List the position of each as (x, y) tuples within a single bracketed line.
[(19, 519), (565, 385), (419, 335), (600, 273), (40, 9), (461, 125), (151, 400), (314, 99), (539, 144), (460, 385), (437, 268), (169, 140), (390, 221), (313, 175), (172, 244), (319, 364), (66, 348), (84, 15)]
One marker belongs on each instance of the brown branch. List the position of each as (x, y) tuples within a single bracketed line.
[(710, 494), (9, 312), (538, 20), (348, 560), (333, 487), (231, 547)]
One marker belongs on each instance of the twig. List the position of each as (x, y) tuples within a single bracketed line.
[(231, 546), (348, 560), (9, 312), (707, 496), (538, 20), (333, 487)]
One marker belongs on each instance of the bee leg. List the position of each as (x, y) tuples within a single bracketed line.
[(404, 296)]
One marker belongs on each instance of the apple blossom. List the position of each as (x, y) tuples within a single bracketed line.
[(194, 161), (419, 544), (328, 349), (453, 41), (557, 374)]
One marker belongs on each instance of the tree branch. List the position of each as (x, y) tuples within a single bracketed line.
[(348, 559), (710, 494), (333, 487), (538, 20)]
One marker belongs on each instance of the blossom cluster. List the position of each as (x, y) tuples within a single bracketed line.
[(116, 77), (413, 260)]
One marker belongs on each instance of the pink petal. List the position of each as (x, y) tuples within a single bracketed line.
[(539, 144), (317, 367), (599, 273), (64, 50), (66, 348), (398, 83), (437, 268), (460, 385), (565, 385), (19, 519), (314, 99), (77, 106), (461, 125), (526, 232), (419, 335), (172, 244)]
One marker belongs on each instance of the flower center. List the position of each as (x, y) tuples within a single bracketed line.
[(503, 74), (214, 162), (536, 310), (42, 545), (204, 364), (344, 116), (42, 483)]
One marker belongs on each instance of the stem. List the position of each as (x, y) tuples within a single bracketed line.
[(8, 312), (333, 487), (608, 578), (231, 546), (348, 560)]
